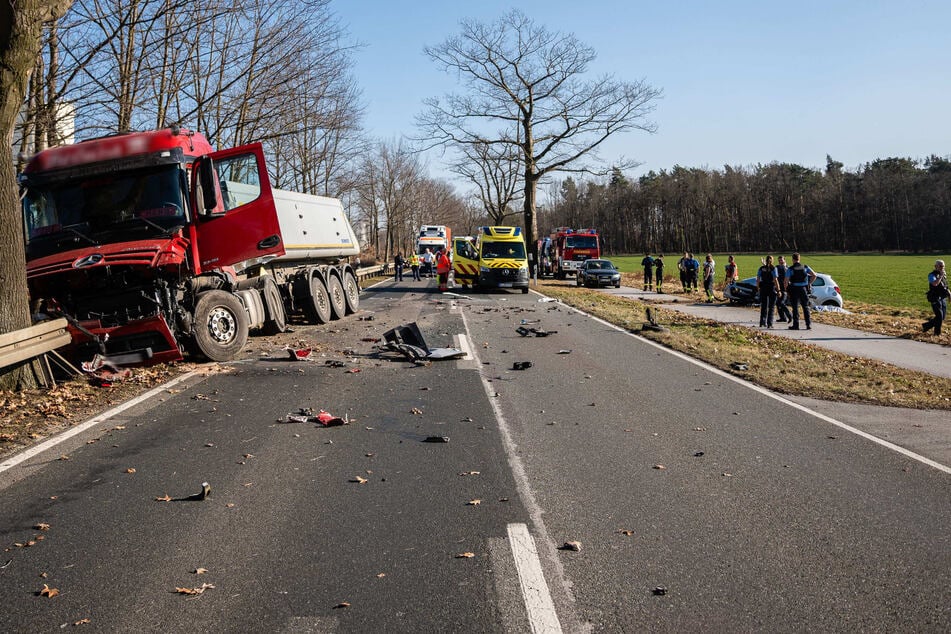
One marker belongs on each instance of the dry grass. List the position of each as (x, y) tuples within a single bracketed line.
[(780, 364)]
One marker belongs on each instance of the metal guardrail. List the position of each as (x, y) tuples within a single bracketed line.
[(27, 343), (372, 271)]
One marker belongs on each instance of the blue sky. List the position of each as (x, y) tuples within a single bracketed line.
[(744, 82)]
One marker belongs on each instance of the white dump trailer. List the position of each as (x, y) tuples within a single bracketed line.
[(314, 277)]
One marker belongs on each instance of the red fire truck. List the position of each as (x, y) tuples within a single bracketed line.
[(151, 243), (570, 248)]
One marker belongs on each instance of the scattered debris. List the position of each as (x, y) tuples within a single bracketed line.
[(659, 467), (442, 439), (342, 605), (334, 363), (465, 555), (564, 352), (48, 591), (740, 366), (698, 454), (660, 591), (652, 324), (626, 531), (300, 354), (521, 365), (572, 546), (408, 341), (358, 480), (534, 332), (475, 502), (545, 300), (306, 415), (193, 591)]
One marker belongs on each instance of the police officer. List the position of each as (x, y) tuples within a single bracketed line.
[(767, 282), (799, 278), (937, 297), (782, 299)]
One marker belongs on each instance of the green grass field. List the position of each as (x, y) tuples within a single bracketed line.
[(889, 280)]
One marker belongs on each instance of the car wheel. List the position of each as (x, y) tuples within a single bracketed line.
[(831, 302)]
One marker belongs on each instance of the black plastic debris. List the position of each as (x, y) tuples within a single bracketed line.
[(408, 341), (652, 322), (740, 366), (521, 365), (441, 439), (534, 332), (660, 591)]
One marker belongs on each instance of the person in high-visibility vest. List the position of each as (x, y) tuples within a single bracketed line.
[(442, 269), (414, 265)]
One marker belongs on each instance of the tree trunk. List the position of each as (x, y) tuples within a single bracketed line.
[(21, 27)]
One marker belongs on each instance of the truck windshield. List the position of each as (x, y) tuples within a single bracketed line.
[(104, 208), (582, 242), (512, 250)]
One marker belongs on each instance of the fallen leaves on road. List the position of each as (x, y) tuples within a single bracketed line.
[(42, 526), (659, 467), (193, 591), (359, 480), (199, 571), (130, 470), (164, 498), (475, 502), (48, 591), (625, 531), (572, 546), (465, 555)]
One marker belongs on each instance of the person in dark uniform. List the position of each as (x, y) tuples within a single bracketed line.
[(937, 297), (782, 298), (648, 264), (659, 271), (398, 264), (799, 278), (767, 283)]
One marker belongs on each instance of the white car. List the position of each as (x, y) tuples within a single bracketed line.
[(825, 292)]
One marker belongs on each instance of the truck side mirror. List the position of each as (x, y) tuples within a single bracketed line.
[(207, 192)]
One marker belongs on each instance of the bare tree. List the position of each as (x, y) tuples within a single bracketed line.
[(388, 194), (21, 30), (494, 170), (528, 83)]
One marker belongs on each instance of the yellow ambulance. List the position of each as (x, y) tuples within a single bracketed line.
[(497, 258)]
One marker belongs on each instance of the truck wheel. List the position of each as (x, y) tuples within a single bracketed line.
[(352, 288), (525, 290), (317, 303), (338, 298), (276, 320), (220, 326)]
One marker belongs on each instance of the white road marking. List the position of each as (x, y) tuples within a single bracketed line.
[(762, 390), (525, 492), (55, 440), (541, 610), (462, 342)]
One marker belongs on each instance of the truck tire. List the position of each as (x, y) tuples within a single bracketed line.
[(276, 319), (220, 325), (317, 301), (352, 291), (524, 290), (338, 298)]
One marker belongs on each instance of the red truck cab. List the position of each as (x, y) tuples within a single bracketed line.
[(124, 233)]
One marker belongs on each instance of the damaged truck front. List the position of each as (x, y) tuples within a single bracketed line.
[(151, 243)]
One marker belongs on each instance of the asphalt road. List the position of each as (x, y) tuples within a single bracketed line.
[(763, 517)]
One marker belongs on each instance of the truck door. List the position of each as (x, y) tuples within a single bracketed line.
[(465, 262), (242, 229)]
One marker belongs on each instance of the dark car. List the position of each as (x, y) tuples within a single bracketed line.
[(823, 292), (742, 292), (599, 273)]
